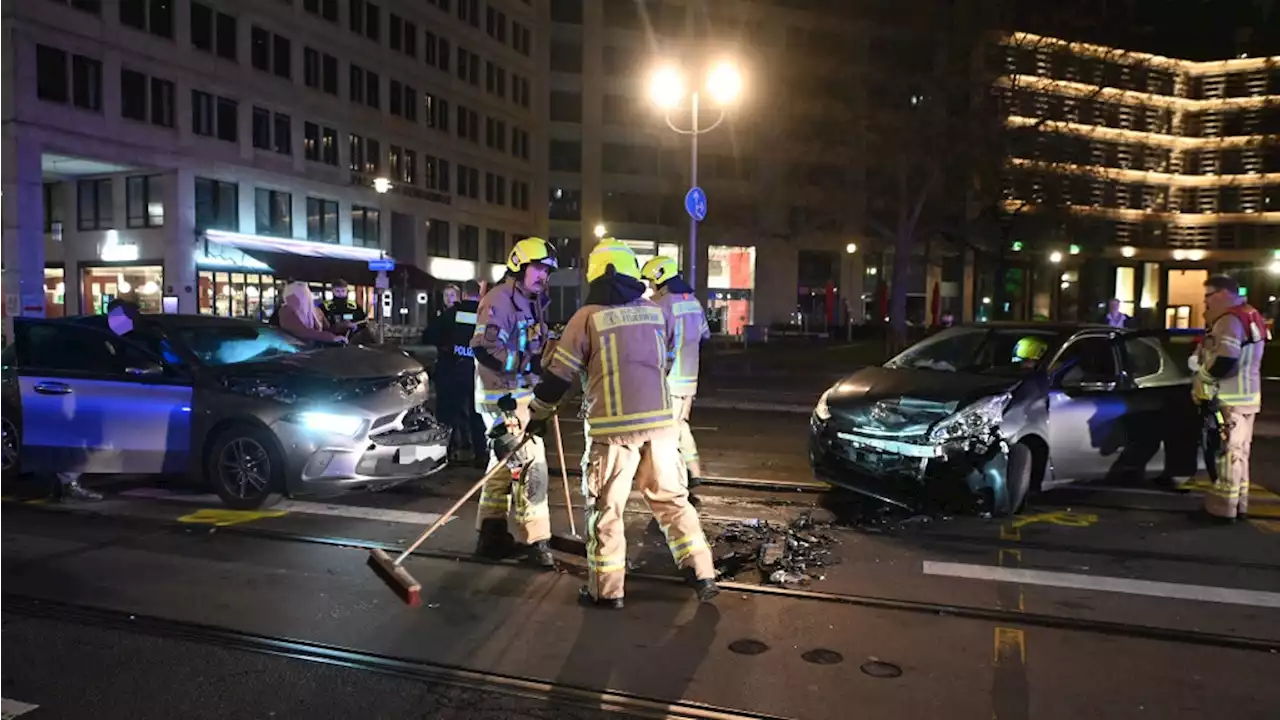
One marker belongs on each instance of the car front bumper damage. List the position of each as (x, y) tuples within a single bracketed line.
[(909, 471)]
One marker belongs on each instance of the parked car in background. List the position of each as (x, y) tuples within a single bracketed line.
[(970, 409), (249, 409)]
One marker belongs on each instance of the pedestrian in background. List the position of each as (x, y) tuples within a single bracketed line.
[(1114, 317), (1228, 386), (681, 306)]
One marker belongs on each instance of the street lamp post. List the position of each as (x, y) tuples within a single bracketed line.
[(724, 84), (382, 185)]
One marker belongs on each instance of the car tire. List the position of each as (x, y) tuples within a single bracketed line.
[(12, 447), (1018, 478), (245, 468)]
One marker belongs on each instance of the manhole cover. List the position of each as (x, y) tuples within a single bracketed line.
[(879, 669), (823, 657), (748, 647)]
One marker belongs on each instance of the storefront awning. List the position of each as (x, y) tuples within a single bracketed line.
[(313, 261)]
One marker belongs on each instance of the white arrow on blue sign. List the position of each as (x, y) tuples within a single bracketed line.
[(383, 265), (695, 203)]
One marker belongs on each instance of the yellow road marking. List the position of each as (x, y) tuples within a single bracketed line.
[(1267, 526), (1062, 518), (1013, 558), (1010, 647), (223, 518)]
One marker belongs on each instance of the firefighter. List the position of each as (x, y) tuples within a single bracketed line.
[(455, 373), (621, 341), (1228, 387), (507, 345), (676, 298)]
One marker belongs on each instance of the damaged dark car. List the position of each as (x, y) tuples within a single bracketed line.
[(249, 409), (996, 412)]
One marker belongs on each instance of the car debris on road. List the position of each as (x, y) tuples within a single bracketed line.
[(791, 554)]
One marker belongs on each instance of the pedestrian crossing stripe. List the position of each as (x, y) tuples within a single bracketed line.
[(13, 708)]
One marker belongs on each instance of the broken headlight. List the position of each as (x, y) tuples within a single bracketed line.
[(822, 411), (978, 420)]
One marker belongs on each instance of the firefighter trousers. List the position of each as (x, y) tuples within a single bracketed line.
[(652, 466), (1229, 496), (682, 405), (521, 500)]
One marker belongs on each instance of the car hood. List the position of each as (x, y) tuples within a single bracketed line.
[(887, 400), (332, 374)]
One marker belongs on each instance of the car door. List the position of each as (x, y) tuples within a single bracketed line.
[(1162, 424), (94, 403), (1086, 409)]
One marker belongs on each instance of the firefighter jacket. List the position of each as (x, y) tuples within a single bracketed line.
[(681, 306), (622, 350), (507, 344), (1238, 333)]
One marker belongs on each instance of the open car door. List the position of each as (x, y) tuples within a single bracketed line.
[(92, 402)]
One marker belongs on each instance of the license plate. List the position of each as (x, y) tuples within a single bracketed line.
[(411, 454), (891, 446)]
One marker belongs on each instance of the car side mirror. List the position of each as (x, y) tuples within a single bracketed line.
[(147, 370)]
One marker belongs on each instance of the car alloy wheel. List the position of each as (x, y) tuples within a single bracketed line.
[(244, 469), (9, 447)]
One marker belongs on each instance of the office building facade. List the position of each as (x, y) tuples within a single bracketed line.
[(194, 154)]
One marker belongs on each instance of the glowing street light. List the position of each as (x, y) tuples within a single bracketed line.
[(1055, 257), (667, 89), (851, 248), (382, 185), (1128, 251), (600, 230)]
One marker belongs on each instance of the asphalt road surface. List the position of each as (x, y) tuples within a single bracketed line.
[(1097, 602)]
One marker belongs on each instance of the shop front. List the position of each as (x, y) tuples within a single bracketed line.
[(101, 283), (731, 284)]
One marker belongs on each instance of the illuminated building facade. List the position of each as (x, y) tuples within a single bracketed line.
[(1159, 172)]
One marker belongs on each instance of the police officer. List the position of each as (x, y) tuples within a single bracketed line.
[(621, 341), (507, 345), (342, 312), (455, 372), (1228, 384), (676, 298)]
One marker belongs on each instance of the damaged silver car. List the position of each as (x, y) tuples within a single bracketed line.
[(995, 412)]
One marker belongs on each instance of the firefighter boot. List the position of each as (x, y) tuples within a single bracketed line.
[(539, 554), (706, 588), (495, 541), (584, 597)]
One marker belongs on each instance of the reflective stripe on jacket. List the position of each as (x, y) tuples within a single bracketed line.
[(690, 324)]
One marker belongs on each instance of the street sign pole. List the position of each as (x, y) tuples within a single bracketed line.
[(381, 286), (692, 276)]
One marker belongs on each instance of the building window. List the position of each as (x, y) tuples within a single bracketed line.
[(469, 242), (273, 213), (566, 106), (565, 204), (520, 143), (153, 16), (566, 57), (469, 12), (468, 124), (325, 9), (213, 116), (438, 238), (468, 182), (365, 226), (322, 220), (85, 88), (320, 71), (565, 156), (90, 6), (355, 153), (520, 195), (495, 247), (371, 85), (403, 101), (320, 143), (436, 112), (271, 53), (144, 202), (409, 168), (468, 66), (402, 35), (272, 131), (568, 12), (365, 19), (495, 24), (217, 205), (372, 157), (138, 93), (521, 39), (213, 32), (94, 204)]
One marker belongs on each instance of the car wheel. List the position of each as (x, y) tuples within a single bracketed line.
[(1018, 477), (10, 447), (245, 469)]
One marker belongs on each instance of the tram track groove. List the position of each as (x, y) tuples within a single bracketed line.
[(965, 612)]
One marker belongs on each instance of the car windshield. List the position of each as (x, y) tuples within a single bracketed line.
[(987, 351), (233, 344)]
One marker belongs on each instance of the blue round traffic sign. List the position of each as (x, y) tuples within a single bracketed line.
[(695, 203)]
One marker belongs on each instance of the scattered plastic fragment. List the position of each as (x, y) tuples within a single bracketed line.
[(785, 554)]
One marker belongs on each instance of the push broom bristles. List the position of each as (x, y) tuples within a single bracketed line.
[(399, 579)]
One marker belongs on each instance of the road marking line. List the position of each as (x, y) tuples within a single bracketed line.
[(1010, 647), (1062, 518), (355, 512), (1267, 526), (1152, 588), (13, 708), (1010, 558), (223, 518)]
